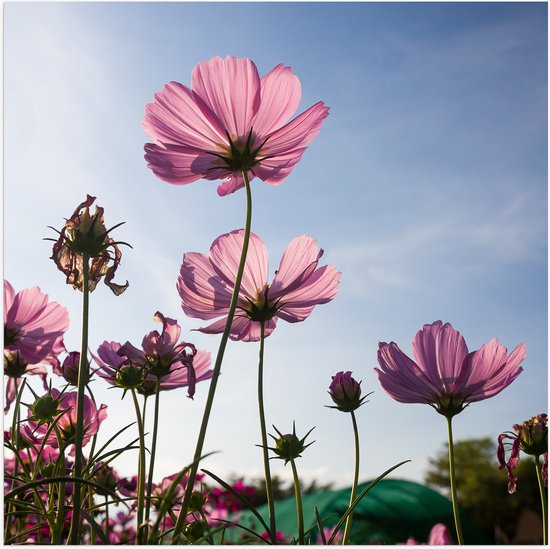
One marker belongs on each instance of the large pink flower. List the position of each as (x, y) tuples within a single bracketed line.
[(230, 121), (163, 357), (444, 374), (206, 284), (33, 335)]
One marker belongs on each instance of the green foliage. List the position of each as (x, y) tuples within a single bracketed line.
[(483, 488)]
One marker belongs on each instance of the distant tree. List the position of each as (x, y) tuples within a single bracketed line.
[(482, 488)]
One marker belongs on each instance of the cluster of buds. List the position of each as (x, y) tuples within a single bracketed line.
[(83, 235), (345, 392), (532, 438)]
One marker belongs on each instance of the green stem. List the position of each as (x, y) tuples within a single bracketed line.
[(543, 498), (141, 470), (268, 482), (152, 457), (217, 368), (456, 513), (299, 511), (83, 374), (347, 529)]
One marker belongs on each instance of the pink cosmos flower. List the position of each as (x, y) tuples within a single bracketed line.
[(532, 438), (66, 423), (163, 357), (439, 535), (206, 284), (230, 121), (444, 374), (33, 335)]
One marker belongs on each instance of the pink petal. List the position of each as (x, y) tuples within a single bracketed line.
[(178, 376), (9, 296), (439, 535), (225, 254), (298, 262), (274, 170), (234, 183), (242, 328), (440, 350), (280, 94), (230, 87), (320, 287), (402, 378), (203, 294), (491, 370), (182, 165), (298, 133), (178, 117)]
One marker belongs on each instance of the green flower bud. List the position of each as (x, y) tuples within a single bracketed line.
[(289, 446)]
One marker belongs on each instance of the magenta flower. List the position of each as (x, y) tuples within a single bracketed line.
[(37, 431), (206, 284), (444, 374), (532, 438), (162, 357), (230, 121), (33, 335)]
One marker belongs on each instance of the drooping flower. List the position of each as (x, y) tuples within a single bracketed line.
[(345, 392), (532, 438), (35, 430), (206, 285), (444, 374), (84, 233), (33, 335), (162, 357), (230, 121)]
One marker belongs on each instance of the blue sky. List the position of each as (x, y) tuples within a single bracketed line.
[(427, 188)]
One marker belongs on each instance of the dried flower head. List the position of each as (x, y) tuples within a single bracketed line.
[(532, 438), (86, 234)]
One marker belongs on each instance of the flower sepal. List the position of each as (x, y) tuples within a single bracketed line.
[(289, 447)]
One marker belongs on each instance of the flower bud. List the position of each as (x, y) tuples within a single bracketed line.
[(71, 367), (45, 409), (195, 530), (197, 501), (345, 392), (129, 377), (106, 477), (289, 446)]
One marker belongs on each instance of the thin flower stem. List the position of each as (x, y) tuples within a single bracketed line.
[(83, 374), (355, 478), (543, 499), (141, 470), (217, 368), (268, 482), (152, 458), (299, 511), (456, 513)]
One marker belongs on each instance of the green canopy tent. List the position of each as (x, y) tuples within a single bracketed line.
[(391, 512)]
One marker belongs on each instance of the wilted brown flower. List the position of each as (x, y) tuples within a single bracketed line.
[(86, 234)]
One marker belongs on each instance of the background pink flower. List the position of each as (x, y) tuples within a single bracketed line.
[(33, 335), (206, 284), (444, 374), (230, 121)]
